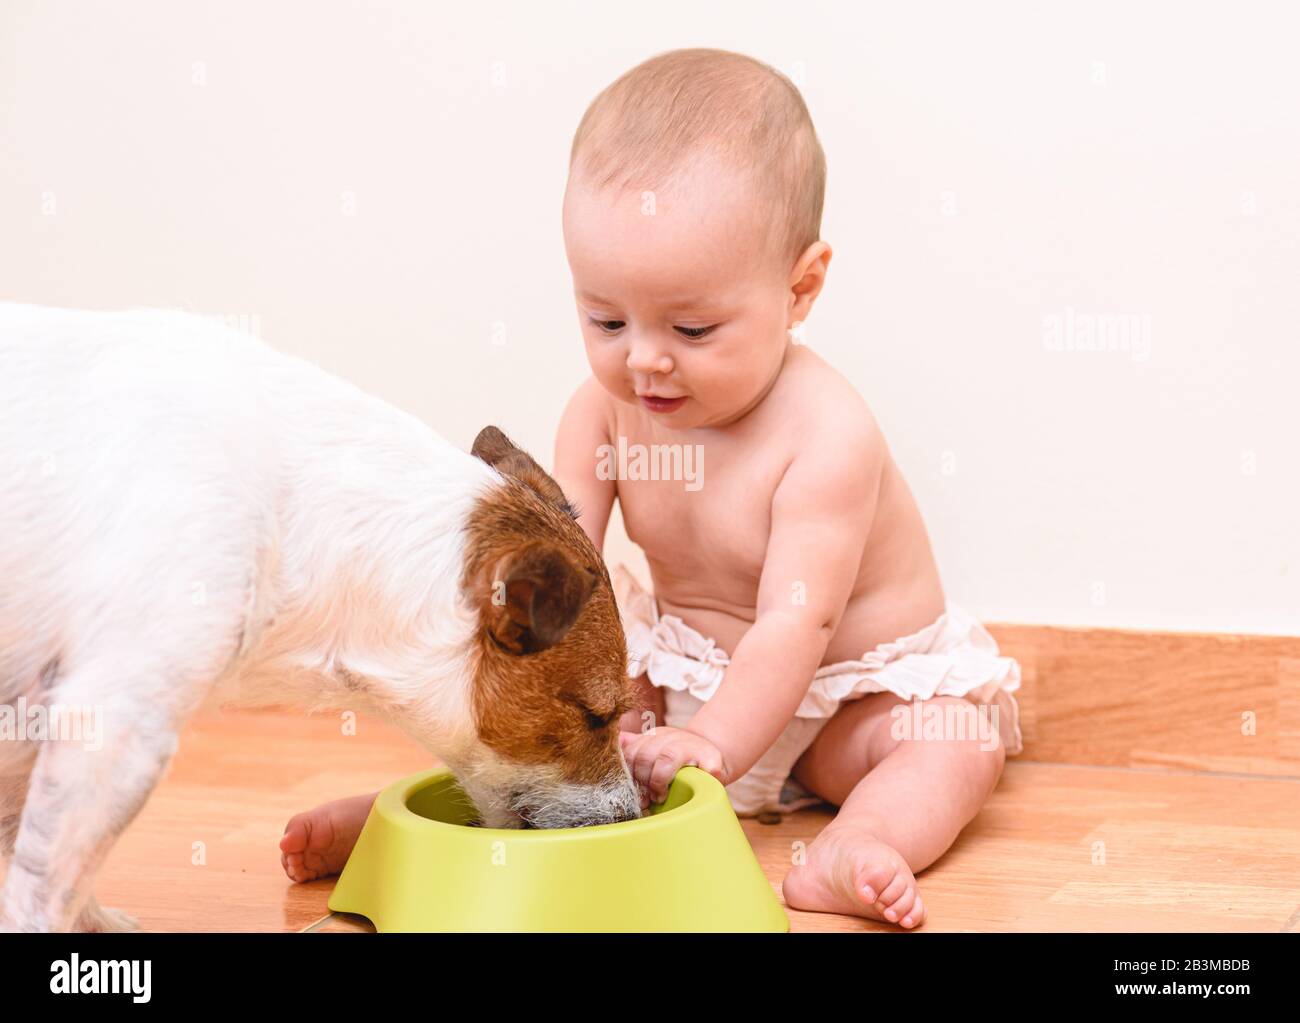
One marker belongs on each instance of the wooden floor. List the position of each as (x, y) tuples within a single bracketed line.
[(1057, 848)]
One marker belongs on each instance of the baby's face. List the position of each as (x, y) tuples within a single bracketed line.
[(682, 305)]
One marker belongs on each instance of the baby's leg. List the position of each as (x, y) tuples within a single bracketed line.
[(902, 804), (318, 843)]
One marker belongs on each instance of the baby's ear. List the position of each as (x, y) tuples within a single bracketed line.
[(534, 597), (500, 452)]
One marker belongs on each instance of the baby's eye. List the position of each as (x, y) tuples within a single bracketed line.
[(609, 326), (693, 333)]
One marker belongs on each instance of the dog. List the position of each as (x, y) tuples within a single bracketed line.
[(188, 517)]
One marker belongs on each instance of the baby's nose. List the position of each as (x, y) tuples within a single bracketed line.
[(646, 357)]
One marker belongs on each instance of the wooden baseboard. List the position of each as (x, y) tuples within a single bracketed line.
[(1205, 702)]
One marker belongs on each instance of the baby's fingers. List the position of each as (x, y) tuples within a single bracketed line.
[(629, 741), (640, 756), (663, 770), (711, 763)]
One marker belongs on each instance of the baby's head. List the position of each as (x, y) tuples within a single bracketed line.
[(692, 220)]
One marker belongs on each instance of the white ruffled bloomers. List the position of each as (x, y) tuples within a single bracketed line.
[(953, 656)]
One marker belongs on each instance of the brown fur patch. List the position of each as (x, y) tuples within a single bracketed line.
[(551, 676)]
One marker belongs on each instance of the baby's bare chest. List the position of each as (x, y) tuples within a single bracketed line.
[(715, 520)]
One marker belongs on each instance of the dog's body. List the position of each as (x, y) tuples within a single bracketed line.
[(188, 516)]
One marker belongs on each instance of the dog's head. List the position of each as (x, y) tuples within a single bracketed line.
[(550, 669)]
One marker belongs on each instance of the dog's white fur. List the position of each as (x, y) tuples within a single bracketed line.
[(187, 515)]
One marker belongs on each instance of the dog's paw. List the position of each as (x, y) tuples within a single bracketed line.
[(97, 919)]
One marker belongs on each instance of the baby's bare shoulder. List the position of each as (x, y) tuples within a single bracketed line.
[(830, 419)]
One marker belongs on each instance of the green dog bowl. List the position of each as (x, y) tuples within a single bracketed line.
[(420, 865)]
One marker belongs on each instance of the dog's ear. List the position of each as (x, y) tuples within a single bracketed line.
[(534, 597), (499, 451)]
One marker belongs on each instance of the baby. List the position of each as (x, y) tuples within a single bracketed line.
[(775, 523)]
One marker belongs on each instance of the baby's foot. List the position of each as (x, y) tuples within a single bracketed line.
[(851, 871), (317, 843)]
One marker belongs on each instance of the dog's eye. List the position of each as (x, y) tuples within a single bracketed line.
[(620, 708), (597, 721)]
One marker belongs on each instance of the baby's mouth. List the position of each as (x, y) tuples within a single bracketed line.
[(654, 403)]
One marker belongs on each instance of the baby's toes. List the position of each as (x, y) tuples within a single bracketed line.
[(873, 878), (296, 832), (916, 915), (894, 893), (305, 844), (293, 868), (901, 909)]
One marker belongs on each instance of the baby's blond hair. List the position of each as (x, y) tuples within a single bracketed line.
[(640, 131)]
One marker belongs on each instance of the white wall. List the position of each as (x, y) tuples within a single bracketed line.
[(379, 186)]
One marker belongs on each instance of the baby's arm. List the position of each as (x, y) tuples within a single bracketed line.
[(583, 428), (821, 515)]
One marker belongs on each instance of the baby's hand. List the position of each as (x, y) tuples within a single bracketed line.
[(655, 756)]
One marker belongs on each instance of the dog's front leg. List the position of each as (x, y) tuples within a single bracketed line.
[(13, 793), (79, 800)]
